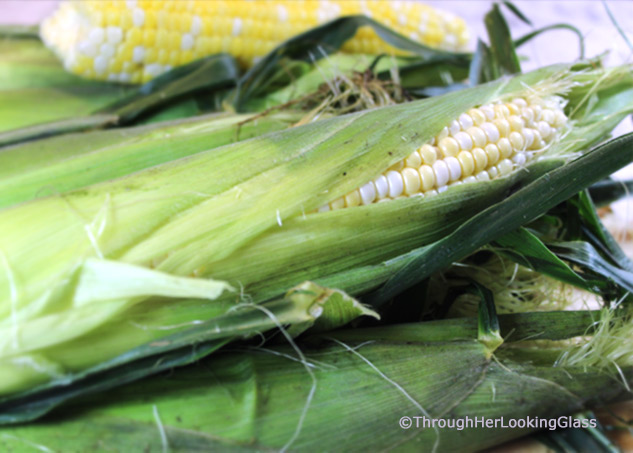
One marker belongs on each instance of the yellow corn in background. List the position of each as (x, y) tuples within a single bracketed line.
[(134, 41)]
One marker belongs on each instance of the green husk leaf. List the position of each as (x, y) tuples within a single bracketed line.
[(208, 216), (35, 89), (104, 280), (517, 12), (609, 190), (488, 332), (18, 31), (596, 232), (210, 73), (260, 400), (522, 206), (513, 327), (527, 250), (59, 164), (481, 66), (577, 440), (584, 254), (504, 58), (305, 307), (323, 40)]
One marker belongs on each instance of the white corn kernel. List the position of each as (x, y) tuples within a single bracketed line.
[(519, 159), (549, 116), (454, 128), (516, 140), (396, 185), (440, 170), (443, 134), (368, 193), (454, 168), (382, 187), (505, 167), (431, 193), (488, 111), (465, 121), (491, 132), (464, 141), (482, 176), (544, 129), (528, 136)]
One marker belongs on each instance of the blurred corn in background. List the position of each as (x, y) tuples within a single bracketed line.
[(134, 41)]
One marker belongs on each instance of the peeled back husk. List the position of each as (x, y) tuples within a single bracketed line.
[(239, 214)]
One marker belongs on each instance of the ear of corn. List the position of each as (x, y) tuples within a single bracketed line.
[(205, 216), (136, 41), (272, 399)]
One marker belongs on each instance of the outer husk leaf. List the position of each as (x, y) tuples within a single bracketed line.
[(267, 400)]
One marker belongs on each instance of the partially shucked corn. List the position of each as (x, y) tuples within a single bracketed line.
[(90, 274), (482, 144), (134, 41)]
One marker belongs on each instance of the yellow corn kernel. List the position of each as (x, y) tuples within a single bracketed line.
[(481, 159), (467, 163), (352, 199), (428, 154), (411, 179)]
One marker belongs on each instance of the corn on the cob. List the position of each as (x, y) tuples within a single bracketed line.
[(134, 41), (480, 145)]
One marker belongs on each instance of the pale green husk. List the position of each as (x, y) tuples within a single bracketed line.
[(237, 215)]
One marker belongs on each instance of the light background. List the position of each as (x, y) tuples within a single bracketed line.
[(590, 16)]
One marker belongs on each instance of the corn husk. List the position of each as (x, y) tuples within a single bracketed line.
[(354, 390), (59, 164), (236, 214), (35, 88)]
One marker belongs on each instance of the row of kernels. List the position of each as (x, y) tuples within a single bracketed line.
[(426, 181), (482, 144)]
